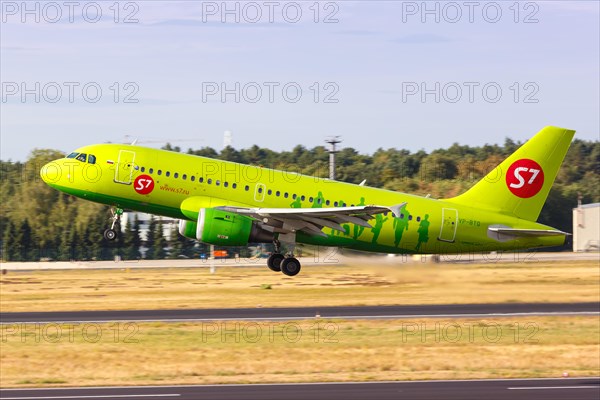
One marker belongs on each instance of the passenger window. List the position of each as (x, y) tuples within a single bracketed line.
[(168, 173), (143, 169), (277, 193), (175, 175), (92, 159), (192, 178), (269, 192), (209, 181), (327, 202), (310, 199), (201, 179), (294, 196), (184, 177), (82, 157), (302, 197), (234, 185), (218, 182), (335, 203), (285, 195), (418, 219), (151, 171), (247, 188), (225, 184), (259, 190), (159, 172)]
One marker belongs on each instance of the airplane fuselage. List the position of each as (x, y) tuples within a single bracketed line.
[(178, 185)]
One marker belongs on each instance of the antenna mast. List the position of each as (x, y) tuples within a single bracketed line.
[(332, 140)]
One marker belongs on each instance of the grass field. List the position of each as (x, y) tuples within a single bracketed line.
[(233, 287), (247, 352), (316, 350)]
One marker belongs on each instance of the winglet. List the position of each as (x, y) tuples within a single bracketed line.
[(396, 209)]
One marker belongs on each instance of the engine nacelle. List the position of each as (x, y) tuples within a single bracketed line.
[(224, 228), (187, 229)]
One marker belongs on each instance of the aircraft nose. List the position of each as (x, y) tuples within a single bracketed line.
[(50, 172)]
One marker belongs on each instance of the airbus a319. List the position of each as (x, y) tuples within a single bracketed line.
[(229, 204)]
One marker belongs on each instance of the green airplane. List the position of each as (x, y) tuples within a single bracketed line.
[(230, 204)]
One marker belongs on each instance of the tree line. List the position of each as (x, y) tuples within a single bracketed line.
[(38, 222)]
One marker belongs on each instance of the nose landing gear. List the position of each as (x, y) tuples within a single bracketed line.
[(110, 233)]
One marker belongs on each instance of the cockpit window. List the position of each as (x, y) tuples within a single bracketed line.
[(81, 157), (72, 155), (92, 159)]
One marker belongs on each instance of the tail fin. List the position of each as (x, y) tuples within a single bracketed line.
[(520, 185)]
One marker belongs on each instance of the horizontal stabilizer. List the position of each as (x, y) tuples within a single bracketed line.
[(504, 234), (528, 232)]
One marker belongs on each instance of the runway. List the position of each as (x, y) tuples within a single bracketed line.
[(272, 314), (516, 389)]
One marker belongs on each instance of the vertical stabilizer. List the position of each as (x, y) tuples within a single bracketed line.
[(520, 185)]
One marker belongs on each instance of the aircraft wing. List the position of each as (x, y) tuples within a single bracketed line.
[(312, 220)]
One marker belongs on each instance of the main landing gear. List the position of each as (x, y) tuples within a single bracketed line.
[(277, 262), (110, 233)]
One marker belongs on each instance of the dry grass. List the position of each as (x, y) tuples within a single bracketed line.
[(197, 353), (326, 285)]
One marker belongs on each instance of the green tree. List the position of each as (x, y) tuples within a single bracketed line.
[(230, 154), (132, 240), (10, 250), (150, 234), (26, 242), (67, 245), (180, 245), (158, 250)]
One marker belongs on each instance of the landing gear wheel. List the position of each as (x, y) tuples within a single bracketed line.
[(274, 262), (110, 234), (290, 266)]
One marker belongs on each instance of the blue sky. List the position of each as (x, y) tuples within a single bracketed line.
[(371, 60)]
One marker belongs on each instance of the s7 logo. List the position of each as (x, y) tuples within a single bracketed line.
[(525, 178), (517, 174), (143, 184)]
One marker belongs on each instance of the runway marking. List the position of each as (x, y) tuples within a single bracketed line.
[(112, 396), (299, 384), (400, 316), (552, 387)]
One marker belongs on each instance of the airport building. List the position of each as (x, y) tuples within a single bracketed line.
[(586, 227)]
